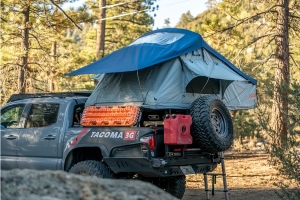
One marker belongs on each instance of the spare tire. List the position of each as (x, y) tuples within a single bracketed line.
[(212, 127)]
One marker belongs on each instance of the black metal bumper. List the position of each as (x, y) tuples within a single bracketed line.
[(159, 167)]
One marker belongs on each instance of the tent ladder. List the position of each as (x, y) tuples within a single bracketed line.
[(214, 177)]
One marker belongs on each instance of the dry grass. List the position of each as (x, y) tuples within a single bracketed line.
[(249, 176)]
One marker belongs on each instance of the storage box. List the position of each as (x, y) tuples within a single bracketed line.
[(177, 129), (110, 116)]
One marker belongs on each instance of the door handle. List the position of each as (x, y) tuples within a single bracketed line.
[(11, 137), (50, 137)]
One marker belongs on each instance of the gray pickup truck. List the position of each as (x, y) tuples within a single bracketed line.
[(42, 131), (159, 112)]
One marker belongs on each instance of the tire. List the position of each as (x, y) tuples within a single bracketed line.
[(212, 127), (173, 185), (92, 168)]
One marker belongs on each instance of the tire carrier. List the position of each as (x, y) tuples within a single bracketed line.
[(214, 176)]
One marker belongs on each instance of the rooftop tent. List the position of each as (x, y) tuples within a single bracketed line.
[(167, 69), (153, 48)]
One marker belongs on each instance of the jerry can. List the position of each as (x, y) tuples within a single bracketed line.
[(177, 129)]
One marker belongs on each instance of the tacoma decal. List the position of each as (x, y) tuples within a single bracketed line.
[(107, 134), (127, 135)]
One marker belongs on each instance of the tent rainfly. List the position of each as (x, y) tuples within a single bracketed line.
[(168, 69)]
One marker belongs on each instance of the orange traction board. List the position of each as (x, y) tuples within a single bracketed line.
[(110, 116)]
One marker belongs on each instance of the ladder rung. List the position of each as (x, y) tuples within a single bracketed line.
[(216, 174), (217, 190), (214, 178)]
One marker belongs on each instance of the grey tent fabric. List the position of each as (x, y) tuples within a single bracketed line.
[(149, 87), (175, 84)]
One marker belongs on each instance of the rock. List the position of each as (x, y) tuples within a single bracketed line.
[(59, 185)]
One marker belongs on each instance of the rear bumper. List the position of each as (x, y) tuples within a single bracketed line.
[(159, 167)]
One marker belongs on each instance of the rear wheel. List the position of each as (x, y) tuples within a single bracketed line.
[(92, 168), (174, 185), (212, 127)]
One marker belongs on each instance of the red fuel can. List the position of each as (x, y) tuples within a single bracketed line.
[(177, 129)]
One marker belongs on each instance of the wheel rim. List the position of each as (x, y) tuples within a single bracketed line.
[(218, 122)]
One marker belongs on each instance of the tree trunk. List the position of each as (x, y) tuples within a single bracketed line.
[(24, 48), (52, 72), (101, 30), (282, 76)]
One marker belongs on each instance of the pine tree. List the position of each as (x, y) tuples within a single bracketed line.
[(30, 33), (255, 35), (262, 38), (124, 21), (185, 19)]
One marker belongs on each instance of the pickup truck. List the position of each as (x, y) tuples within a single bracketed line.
[(160, 111), (42, 131)]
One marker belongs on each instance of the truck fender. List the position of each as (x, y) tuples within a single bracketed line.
[(84, 149)]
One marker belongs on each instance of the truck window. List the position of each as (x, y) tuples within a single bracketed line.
[(78, 110), (43, 114), (10, 116)]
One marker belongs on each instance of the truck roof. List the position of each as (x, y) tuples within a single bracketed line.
[(77, 94)]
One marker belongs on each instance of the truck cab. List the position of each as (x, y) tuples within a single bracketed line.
[(33, 129)]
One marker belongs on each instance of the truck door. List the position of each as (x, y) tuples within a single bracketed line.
[(11, 124), (38, 141)]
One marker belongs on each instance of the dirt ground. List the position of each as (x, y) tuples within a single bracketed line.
[(249, 177)]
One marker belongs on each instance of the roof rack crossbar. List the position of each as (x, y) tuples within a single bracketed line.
[(16, 97)]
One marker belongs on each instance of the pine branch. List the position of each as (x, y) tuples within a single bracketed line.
[(294, 16), (264, 62), (37, 40), (242, 21), (7, 65), (130, 21), (259, 38), (65, 14), (3, 19), (35, 87), (294, 60)]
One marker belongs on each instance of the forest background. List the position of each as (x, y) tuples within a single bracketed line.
[(41, 41)]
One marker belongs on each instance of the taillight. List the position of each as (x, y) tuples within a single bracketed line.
[(150, 140)]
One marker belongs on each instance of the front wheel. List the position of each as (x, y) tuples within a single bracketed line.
[(92, 168)]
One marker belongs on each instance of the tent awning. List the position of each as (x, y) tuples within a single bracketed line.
[(153, 48)]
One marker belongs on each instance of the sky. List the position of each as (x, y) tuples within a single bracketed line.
[(172, 9)]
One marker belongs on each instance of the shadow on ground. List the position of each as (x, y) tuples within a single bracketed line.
[(234, 194)]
